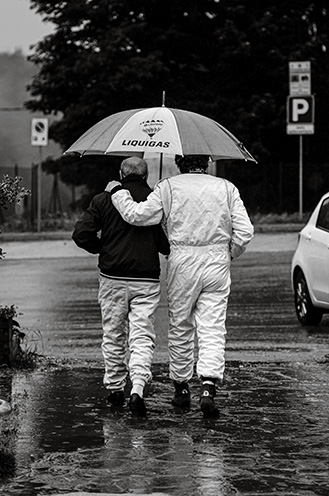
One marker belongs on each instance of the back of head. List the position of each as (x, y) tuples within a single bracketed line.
[(134, 166), (192, 163)]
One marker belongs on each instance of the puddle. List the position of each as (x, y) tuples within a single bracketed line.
[(271, 437)]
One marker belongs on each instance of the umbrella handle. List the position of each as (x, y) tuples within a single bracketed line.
[(161, 163), (161, 154)]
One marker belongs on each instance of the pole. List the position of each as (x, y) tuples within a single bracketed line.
[(34, 190), (300, 177), (161, 164), (39, 191), (161, 154)]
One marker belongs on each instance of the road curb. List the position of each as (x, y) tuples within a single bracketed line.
[(34, 236), (63, 235)]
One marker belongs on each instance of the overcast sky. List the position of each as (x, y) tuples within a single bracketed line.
[(20, 27)]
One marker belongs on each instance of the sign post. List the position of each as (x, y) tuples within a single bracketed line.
[(300, 112), (300, 177), (39, 137)]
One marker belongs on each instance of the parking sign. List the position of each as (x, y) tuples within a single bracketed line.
[(300, 114)]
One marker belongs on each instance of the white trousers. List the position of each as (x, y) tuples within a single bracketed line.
[(198, 287), (128, 313)]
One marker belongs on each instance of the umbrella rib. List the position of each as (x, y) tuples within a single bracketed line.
[(120, 126), (89, 132), (242, 148), (239, 146), (203, 133)]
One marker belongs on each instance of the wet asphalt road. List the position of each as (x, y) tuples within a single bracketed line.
[(55, 286), (271, 437)]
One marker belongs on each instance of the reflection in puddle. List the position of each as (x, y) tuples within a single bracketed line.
[(271, 437)]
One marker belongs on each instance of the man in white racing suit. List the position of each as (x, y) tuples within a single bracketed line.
[(207, 226)]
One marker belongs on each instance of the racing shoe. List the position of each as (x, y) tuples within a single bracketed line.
[(116, 398), (182, 397), (207, 403), (137, 406)]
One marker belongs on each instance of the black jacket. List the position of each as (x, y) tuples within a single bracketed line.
[(124, 250)]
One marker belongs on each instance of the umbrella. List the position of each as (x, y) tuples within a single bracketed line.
[(160, 130)]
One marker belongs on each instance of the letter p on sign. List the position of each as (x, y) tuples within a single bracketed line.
[(300, 107)]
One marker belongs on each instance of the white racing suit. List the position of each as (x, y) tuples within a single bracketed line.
[(207, 225)]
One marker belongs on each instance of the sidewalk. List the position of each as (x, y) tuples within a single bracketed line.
[(56, 235), (59, 244)]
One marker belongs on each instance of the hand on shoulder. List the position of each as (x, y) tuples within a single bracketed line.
[(111, 185)]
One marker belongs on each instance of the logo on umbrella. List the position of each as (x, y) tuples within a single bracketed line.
[(151, 127)]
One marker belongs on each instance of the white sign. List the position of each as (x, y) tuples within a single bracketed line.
[(39, 132), (300, 128), (300, 78), (300, 115)]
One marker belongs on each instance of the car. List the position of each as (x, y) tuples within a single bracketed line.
[(310, 267)]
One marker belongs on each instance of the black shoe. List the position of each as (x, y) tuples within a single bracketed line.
[(207, 403), (116, 398), (137, 406), (182, 397)]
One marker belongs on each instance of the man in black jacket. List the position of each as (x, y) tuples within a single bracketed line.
[(129, 290)]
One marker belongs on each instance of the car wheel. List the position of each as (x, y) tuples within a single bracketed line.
[(306, 312)]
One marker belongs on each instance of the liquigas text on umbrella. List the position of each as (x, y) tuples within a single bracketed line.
[(162, 144)]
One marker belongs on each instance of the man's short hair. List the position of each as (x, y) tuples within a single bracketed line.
[(188, 163), (134, 166)]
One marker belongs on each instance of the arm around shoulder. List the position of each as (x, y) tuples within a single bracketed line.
[(145, 213)]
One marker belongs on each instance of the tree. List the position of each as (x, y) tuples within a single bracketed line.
[(227, 60)]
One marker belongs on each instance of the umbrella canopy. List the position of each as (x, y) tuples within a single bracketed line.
[(160, 130)]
